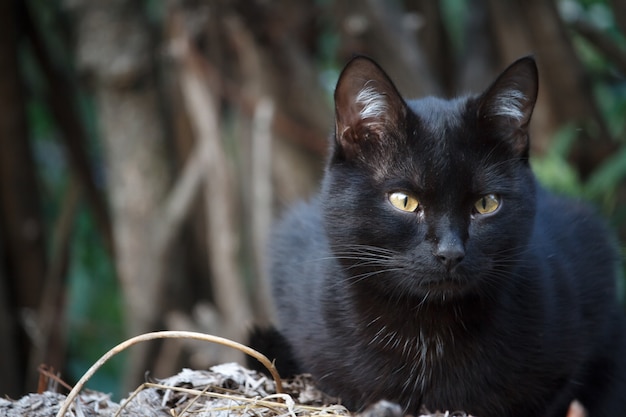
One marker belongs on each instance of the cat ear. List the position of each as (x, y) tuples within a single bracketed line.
[(367, 105), (507, 105)]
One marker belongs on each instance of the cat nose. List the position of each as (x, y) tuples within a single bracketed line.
[(450, 253)]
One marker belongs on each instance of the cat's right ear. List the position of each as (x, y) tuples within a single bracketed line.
[(367, 106)]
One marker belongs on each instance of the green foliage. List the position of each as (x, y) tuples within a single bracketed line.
[(553, 169), (454, 13), (556, 173), (607, 178)]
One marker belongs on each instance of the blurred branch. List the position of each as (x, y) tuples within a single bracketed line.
[(262, 203), (619, 12), (602, 42), (568, 84), (21, 225), (180, 199), (12, 371), (280, 68), (380, 29), (309, 137), (477, 60), (426, 19), (200, 103), (61, 100), (50, 338), (510, 34), (115, 49)]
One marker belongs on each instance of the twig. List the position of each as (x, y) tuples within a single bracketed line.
[(168, 335), (45, 375)]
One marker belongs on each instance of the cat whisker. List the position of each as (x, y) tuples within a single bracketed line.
[(366, 275)]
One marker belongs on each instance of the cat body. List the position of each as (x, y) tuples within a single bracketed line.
[(432, 270)]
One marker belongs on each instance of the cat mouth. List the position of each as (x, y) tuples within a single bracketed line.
[(445, 285), (448, 283)]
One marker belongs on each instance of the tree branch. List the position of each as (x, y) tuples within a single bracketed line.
[(180, 199)]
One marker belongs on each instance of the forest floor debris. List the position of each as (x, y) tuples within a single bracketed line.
[(227, 390)]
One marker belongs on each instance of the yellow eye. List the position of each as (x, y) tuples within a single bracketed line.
[(403, 201), (487, 204)]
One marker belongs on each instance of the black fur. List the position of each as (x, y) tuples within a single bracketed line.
[(273, 344), (511, 313)]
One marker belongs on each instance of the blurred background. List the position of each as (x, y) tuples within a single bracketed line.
[(146, 146)]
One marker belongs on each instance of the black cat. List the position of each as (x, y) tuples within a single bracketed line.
[(432, 270)]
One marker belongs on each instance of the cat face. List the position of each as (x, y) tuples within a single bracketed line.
[(429, 197)]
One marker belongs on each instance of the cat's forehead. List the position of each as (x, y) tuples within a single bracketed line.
[(441, 152), (438, 115), (438, 131)]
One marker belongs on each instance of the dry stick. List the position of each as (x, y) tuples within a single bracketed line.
[(262, 201), (169, 335)]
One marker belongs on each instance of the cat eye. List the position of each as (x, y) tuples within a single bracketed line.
[(403, 201), (487, 204)]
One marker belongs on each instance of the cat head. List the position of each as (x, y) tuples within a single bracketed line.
[(429, 196)]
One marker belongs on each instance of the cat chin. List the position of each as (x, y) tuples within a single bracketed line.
[(442, 293), (436, 289)]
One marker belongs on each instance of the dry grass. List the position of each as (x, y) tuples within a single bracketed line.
[(227, 390)]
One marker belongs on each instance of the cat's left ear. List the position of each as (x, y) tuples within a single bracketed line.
[(508, 104), (367, 105)]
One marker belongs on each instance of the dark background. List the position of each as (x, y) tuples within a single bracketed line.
[(146, 146)]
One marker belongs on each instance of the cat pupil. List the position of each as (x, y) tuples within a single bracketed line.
[(487, 204), (403, 201)]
